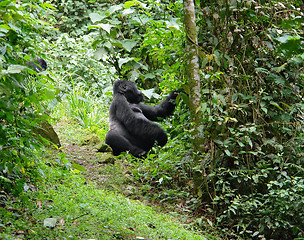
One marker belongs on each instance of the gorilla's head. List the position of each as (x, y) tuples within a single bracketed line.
[(129, 90), (38, 65)]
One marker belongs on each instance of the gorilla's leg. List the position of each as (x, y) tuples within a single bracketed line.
[(120, 144)]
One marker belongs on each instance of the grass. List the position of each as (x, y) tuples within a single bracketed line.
[(83, 211)]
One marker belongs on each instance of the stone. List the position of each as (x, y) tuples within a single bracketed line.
[(102, 147), (46, 131), (91, 140)]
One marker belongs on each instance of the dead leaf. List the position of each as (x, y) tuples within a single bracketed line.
[(39, 204), (75, 222), (61, 222), (50, 222)]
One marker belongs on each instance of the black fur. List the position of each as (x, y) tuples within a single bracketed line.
[(38, 65), (131, 128)]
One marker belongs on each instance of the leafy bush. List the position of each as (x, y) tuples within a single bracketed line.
[(73, 59), (252, 106), (137, 41), (24, 95)]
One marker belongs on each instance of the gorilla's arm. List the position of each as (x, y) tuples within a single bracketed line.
[(162, 110), (139, 126)]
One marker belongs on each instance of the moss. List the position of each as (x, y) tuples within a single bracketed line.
[(91, 140)]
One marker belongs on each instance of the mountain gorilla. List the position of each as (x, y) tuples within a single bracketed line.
[(38, 65), (129, 119)]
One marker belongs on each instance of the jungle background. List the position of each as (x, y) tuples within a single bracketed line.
[(250, 162)]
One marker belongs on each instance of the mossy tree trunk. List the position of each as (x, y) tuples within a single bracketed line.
[(193, 78)]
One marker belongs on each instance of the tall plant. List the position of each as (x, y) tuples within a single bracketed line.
[(192, 75)]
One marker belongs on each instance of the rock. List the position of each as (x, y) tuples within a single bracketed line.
[(102, 147), (94, 141), (46, 131), (107, 159), (91, 140)]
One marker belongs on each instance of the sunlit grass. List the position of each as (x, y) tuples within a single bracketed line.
[(81, 106)]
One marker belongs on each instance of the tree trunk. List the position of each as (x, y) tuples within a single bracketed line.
[(193, 78)]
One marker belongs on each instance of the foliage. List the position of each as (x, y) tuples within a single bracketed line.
[(24, 95), (251, 56), (135, 39), (73, 62), (72, 17), (252, 106)]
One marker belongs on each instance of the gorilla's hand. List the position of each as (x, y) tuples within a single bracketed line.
[(161, 138), (174, 94)]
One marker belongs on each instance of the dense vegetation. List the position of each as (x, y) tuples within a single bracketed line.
[(251, 66)]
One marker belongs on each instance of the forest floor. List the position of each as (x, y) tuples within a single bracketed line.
[(115, 174), (104, 202)]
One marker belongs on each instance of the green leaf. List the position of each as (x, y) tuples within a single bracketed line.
[(203, 107), (4, 28), (276, 105), (148, 92), (78, 167), (128, 44), (200, 193), (113, 9), (106, 27), (50, 222), (5, 179), (205, 61), (122, 61), (255, 178), (149, 76), (216, 56), (5, 3), (100, 53), (14, 69), (129, 4), (261, 70), (284, 39), (95, 17), (127, 11), (280, 68), (14, 27), (49, 95), (173, 23), (228, 153), (4, 89), (48, 5)]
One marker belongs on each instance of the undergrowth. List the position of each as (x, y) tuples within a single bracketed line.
[(81, 211)]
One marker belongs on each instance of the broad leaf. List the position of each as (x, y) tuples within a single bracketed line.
[(122, 61), (95, 17), (128, 44), (78, 167), (14, 69), (106, 27), (100, 53), (50, 222)]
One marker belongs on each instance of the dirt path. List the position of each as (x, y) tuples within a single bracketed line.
[(89, 158), (104, 169)]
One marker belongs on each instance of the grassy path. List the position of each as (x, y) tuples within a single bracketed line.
[(66, 205)]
